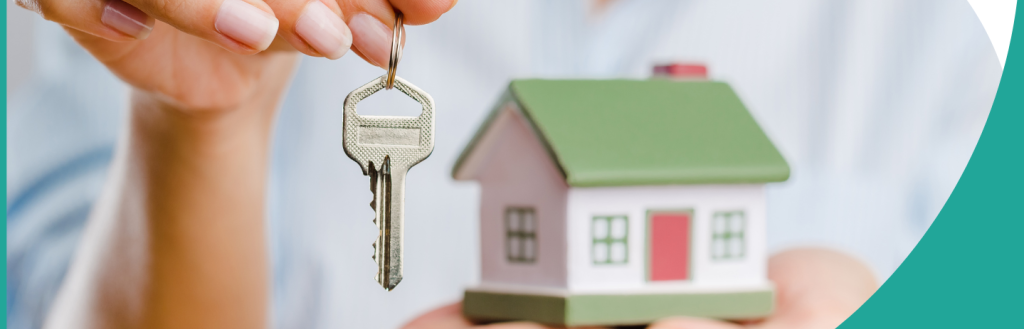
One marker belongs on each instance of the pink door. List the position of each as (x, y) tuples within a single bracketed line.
[(669, 257)]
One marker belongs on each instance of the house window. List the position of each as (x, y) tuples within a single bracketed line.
[(521, 234), (610, 239), (728, 239)]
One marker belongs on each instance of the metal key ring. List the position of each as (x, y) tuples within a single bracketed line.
[(396, 51)]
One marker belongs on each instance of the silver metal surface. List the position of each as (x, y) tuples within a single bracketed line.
[(385, 148), (397, 34)]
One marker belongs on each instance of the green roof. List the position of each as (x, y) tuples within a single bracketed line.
[(645, 132)]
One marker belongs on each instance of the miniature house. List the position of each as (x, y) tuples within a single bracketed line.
[(620, 202)]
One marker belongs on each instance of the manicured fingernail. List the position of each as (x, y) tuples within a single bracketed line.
[(126, 18), (372, 37), (245, 23), (324, 30)]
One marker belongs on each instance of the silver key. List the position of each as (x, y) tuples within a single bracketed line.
[(385, 148)]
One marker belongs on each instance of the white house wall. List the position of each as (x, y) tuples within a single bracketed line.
[(704, 200), (514, 169)]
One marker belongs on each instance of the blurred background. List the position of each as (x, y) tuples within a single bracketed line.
[(877, 106)]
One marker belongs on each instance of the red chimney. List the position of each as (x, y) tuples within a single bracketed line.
[(681, 71)]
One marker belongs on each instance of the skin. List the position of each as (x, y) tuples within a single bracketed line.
[(816, 288), (177, 238)]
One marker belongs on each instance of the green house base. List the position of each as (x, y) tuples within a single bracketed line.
[(615, 309)]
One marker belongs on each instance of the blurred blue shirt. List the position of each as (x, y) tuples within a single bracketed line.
[(876, 105)]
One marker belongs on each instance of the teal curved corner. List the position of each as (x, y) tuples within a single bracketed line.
[(967, 270)]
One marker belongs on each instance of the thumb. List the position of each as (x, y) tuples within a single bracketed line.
[(241, 26)]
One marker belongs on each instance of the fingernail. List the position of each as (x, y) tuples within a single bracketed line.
[(372, 37), (324, 30), (245, 23), (126, 18)]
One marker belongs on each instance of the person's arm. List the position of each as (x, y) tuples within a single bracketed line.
[(177, 239)]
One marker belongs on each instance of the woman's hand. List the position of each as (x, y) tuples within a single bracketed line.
[(816, 288), (193, 54)]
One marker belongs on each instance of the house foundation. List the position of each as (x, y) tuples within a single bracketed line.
[(567, 309)]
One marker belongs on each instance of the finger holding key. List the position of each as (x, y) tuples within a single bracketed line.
[(319, 28), (313, 27), (371, 22)]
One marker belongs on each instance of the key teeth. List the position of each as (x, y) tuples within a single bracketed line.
[(373, 205), (378, 176)]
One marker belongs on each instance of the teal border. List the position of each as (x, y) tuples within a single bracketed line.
[(964, 274), (647, 242), (6, 307)]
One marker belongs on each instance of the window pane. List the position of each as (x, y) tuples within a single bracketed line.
[(718, 224), (512, 220), (528, 220), (514, 247), (736, 223), (528, 245), (600, 228), (717, 248), (618, 228), (618, 252), (735, 247), (600, 252)]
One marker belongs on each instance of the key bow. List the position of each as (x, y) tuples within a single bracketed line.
[(404, 139)]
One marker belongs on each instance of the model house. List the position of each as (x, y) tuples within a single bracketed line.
[(620, 202)]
